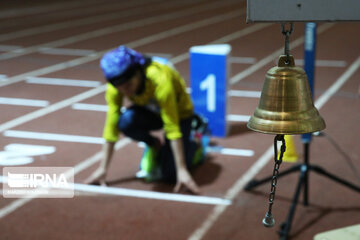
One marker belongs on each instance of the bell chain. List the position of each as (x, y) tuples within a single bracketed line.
[(269, 220)]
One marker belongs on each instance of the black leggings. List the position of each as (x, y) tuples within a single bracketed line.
[(137, 122)]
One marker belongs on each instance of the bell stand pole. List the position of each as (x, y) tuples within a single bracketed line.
[(305, 167)]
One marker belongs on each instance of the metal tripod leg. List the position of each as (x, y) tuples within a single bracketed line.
[(286, 226), (321, 171)]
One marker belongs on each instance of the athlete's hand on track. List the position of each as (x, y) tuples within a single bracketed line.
[(184, 180), (97, 177)]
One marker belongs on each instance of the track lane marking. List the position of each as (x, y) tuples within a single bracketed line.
[(242, 60), (90, 107), (40, 9), (230, 37), (6, 48), (52, 108), (338, 84), (62, 82), (323, 63), (133, 44), (53, 137), (124, 192), (131, 25), (151, 195), (23, 102), (16, 204), (243, 93), (66, 51), (81, 22), (79, 61), (238, 118), (100, 140)]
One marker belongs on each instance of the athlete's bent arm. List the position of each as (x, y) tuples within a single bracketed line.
[(183, 176), (100, 174)]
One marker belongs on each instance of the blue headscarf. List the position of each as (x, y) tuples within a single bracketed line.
[(120, 64)]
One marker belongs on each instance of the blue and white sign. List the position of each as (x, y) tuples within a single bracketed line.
[(209, 71)]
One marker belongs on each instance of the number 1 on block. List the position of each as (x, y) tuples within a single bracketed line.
[(209, 84)]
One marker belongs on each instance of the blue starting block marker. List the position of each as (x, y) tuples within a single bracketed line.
[(209, 71), (309, 64)]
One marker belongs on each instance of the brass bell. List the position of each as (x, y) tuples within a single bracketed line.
[(286, 105)]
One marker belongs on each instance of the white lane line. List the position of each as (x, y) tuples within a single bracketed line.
[(243, 93), (239, 185), (90, 107), (66, 51), (134, 44), (238, 93), (323, 63), (114, 191), (230, 151), (230, 37), (237, 152), (62, 82), (268, 59), (242, 60), (53, 137), (84, 21), (338, 84), (220, 150), (3, 77), (79, 61), (6, 48), (52, 108), (138, 23), (14, 205), (231, 194), (162, 55), (237, 118), (40, 9), (23, 102), (151, 195)]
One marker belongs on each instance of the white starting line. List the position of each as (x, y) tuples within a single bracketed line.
[(150, 195), (114, 191)]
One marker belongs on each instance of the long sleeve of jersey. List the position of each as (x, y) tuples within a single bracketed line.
[(114, 101), (166, 97)]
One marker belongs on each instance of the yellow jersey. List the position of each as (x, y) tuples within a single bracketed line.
[(165, 88)]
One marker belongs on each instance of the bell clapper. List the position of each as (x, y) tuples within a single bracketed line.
[(269, 220)]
